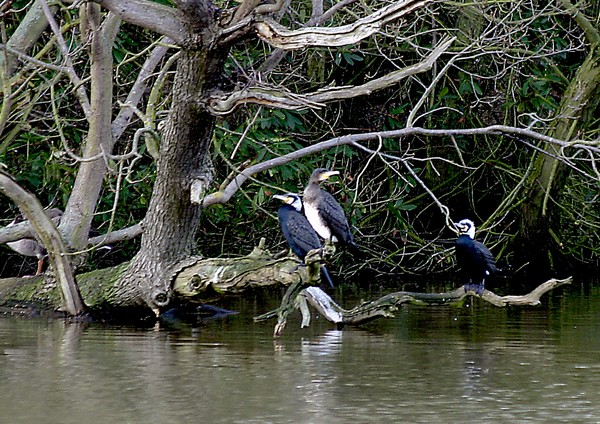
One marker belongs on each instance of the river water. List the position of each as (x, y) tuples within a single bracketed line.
[(476, 363)]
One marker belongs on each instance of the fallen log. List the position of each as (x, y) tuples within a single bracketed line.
[(299, 296), (194, 280)]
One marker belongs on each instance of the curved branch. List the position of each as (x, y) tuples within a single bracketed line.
[(257, 7), (117, 236), (278, 36), (273, 97), (164, 20), (223, 195), (386, 306)]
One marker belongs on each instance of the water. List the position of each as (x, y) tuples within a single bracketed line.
[(429, 365)]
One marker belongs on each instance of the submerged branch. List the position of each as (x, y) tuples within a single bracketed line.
[(387, 305)]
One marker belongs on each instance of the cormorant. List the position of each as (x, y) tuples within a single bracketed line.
[(324, 213), (296, 229), (474, 259), (31, 247)]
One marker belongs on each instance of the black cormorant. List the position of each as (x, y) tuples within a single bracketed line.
[(324, 213), (474, 259), (296, 229), (31, 247)]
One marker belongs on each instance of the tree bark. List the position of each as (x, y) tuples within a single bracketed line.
[(172, 219), (579, 102), (52, 241), (197, 280), (386, 306), (77, 219)]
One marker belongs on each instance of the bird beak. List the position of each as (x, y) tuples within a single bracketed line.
[(284, 198), (327, 174), (460, 227)]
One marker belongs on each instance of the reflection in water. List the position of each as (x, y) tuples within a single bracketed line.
[(477, 363)]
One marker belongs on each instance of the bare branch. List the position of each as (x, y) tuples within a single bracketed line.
[(117, 236), (69, 68), (138, 89), (257, 7), (26, 230), (386, 306), (223, 195), (278, 98), (16, 232), (148, 14), (278, 36), (51, 239), (589, 28)]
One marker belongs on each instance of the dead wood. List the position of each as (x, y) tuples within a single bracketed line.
[(299, 296)]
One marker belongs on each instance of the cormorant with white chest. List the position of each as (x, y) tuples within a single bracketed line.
[(324, 213), (474, 259), (296, 229)]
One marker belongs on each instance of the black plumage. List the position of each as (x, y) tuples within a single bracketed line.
[(296, 229), (324, 213), (473, 257)]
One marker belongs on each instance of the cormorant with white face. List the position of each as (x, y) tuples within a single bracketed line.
[(324, 213), (474, 259), (296, 229)]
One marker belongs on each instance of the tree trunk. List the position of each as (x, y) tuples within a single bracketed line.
[(579, 102), (197, 281), (172, 219)]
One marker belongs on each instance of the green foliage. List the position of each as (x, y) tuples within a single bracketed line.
[(394, 117), (349, 57), (281, 119), (503, 81), (540, 91)]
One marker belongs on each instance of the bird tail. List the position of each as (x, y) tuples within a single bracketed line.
[(326, 275), (354, 248)]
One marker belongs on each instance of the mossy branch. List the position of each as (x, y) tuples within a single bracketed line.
[(387, 305)]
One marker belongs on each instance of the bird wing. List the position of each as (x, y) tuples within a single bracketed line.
[(28, 247), (334, 215), (487, 256), (299, 234)]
